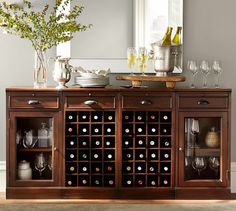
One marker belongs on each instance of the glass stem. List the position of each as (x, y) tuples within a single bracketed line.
[(192, 81), (217, 81), (205, 81)]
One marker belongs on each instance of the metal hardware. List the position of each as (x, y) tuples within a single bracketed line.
[(145, 102), (55, 148), (33, 102), (180, 149), (90, 102), (203, 102)]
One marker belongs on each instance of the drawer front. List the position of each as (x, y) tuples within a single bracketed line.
[(147, 102), (96, 102), (29, 102), (203, 102)]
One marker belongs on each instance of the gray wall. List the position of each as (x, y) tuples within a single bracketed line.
[(209, 33)]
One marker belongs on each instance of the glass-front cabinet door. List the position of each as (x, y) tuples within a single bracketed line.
[(33, 148), (203, 149)]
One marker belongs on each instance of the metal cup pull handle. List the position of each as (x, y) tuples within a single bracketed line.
[(203, 102), (33, 102), (90, 102), (145, 102)]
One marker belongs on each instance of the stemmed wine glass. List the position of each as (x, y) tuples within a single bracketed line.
[(205, 69), (195, 131), (40, 163), (199, 164), (217, 70), (214, 164), (142, 60), (192, 66), (50, 162), (131, 59)]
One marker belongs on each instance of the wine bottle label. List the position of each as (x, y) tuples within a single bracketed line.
[(167, 143), (69, 182), (84, 130), (128, 155), (165, 117), (110, 118), (95, 156), (166, 168), (166, 155), (84, 181), (72, 143), (129, 182), (141, 156), (72, 156), (111, 182), (72, 168), (151, 169), (70, 117), (126, 143), (128, 168), (153, 155), (109, 168), (127, 130), (140, 130), (140, 142), (84, 169), (165, 182), (140, 182)]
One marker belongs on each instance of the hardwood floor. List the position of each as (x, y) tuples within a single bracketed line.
[(88, 201)]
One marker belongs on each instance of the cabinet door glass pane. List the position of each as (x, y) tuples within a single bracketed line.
[(202, 148), (34, 140)]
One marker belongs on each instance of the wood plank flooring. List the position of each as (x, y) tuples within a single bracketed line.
[(87, 201)]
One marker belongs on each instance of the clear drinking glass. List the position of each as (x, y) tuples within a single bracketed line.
[(205, 69), (192, 66), (142, 60), (217, 70), (199, 164), (131, 59), (214, 164)]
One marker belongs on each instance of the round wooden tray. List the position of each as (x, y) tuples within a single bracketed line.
[(136, 80)]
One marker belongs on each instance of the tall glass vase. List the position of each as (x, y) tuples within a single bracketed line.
[(40, 69)]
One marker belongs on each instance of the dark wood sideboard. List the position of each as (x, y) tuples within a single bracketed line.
[(118, 143)]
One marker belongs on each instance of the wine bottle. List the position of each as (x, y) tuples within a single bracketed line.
[(97, 169), (153, 183), (72, 143), (85, 156), (72, 156), (151, 169), (108, 130), (128, 182), (70, 117), (166, 41), (70, 130), (109, 156), (96, 130), (126, 130), (166, 155), (139, 118), (72, 168), (69, 182), (110, 182), (167, 143), (165, 182), (84, 117), (84, 130), (177, 38), (84, 182), (128, 155), (139, 168), (141, 156), (152, 143), (126, 117), (84, 143), (140, 130), (109, 168), (128, 168), (140, 182), (96, 182), (95, 156), (107, 143), (140, 142), (97, 143), (109, 118), (84, 169), (166, 168)]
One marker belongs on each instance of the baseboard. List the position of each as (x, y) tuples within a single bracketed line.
[(3, 176), (233, 177)]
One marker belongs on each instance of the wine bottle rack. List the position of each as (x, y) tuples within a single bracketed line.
[(146, 148), (90, 149)]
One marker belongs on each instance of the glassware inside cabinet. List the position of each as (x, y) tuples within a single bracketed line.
[(34, 140), (202, 148)]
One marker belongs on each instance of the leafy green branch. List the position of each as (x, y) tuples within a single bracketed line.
[(44, 28)]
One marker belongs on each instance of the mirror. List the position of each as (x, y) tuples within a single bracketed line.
[(118, 24)]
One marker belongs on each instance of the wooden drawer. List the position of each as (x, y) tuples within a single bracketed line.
[(95, 102), (32, 102), (147, 102), (205, 101)]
